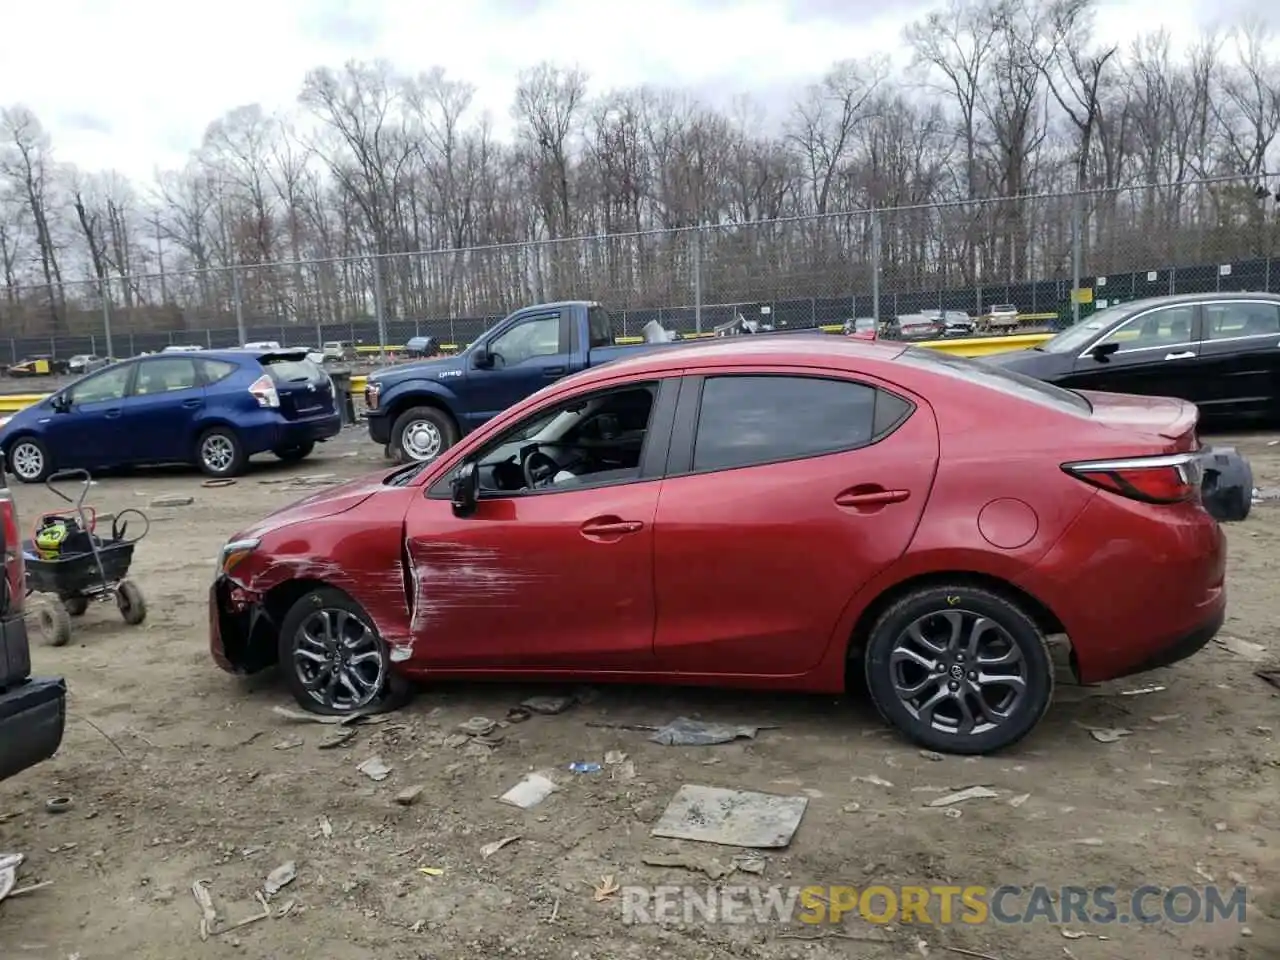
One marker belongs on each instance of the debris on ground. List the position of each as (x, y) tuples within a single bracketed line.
[(477, 726), (280, 877), (960, 796), (219, 482), (1245, 649), (431, 871), (1107, 734), (288, 744), (174, 501), (529, 792), (208, 912), (711, 866), (409, 795), (315, 480), (1141, 691), (582, 766), (489, 849), (604, 889), (59, 804), (620, 768), (1269, 676), (349, 719), (1019, 800), (734, 818), (873, 780), (326, 828), (9, 864), (683, 732), (517, 715), (337, 739), (375, 768), (252, 918), (548, 705), (932, 755)]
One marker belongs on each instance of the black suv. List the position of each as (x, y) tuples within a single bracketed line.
[(32, 710)]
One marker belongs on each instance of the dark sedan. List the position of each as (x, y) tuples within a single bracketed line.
[(1219, 350)]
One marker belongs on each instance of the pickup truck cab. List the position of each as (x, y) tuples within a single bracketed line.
[(32, 710), (419, 410)]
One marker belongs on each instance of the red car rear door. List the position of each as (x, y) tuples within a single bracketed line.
[(557, 578), (787, 490)]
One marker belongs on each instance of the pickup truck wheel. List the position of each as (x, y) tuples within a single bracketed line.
[(422, 433)]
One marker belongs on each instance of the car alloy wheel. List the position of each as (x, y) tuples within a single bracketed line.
[(958, 672), (27, 460), (339, 660), (421, 440), (960, 668), (217, 452)]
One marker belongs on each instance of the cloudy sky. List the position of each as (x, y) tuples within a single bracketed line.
[(132, 84)]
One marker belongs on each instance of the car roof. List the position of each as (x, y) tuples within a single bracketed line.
[(1132, 306), (791, 349)]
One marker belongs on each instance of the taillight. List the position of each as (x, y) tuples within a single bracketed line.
[(264, 389), (1162, 479), (11, 550)]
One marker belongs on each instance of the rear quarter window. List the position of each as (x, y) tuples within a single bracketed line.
[(996, 378), (215, 370), (292, 371)]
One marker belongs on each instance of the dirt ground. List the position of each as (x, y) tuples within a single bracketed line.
[(181, 773)]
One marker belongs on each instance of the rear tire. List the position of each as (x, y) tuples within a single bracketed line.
[(219, 453), (296, 453), (421, 434), (326, 623), (959, 669)]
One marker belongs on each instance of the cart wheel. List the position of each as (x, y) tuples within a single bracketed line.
[(76, 606), (129, 599), (55, 624)]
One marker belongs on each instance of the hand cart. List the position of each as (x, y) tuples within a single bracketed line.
[(82, 567)]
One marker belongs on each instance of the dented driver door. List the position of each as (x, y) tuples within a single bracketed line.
[(558, 580)]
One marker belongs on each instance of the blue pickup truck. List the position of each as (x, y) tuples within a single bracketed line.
[(419, 410)]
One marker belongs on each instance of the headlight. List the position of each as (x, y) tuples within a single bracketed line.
[(235, 551)]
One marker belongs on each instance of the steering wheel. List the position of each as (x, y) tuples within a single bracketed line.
[(538, 468)]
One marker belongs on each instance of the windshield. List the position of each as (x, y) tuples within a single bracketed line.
[(1077, 337)]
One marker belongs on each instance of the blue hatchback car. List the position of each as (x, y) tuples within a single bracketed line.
[(213, 408)]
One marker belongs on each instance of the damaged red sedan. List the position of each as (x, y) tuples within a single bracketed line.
[(769, 513)]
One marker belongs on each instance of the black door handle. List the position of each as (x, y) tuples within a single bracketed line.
[(192, 404), (553, 371)]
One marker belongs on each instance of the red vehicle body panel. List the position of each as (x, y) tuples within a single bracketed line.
[(758, 576)]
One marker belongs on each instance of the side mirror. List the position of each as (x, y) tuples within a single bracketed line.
[(481, 358), (60, 402), (465, 490), (1103, 351)]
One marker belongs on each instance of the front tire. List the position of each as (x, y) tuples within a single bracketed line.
[(421, 434), (334, 661), (29, 460), (219, 453), (959, 669), (295, 453)]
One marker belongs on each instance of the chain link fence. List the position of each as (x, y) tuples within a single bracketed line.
[(1030, 252)]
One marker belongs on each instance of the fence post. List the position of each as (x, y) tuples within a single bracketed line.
[(104, 286), (697, 277), (1076, 200), (875, 265), (377, 308), (238, 303)]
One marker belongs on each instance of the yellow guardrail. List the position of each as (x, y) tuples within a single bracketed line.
[(960, 346)]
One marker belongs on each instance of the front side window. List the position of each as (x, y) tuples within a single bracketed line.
[(532, 338), (1225, 321), (587, 441), (101, 387), (749, 420), (1159, 328), (164, 376)]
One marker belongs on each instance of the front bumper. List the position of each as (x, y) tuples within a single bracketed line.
[(242, 634), (33, 715), (379, 426)]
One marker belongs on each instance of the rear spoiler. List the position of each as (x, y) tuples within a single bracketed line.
[(284, 353), (1184, 424)]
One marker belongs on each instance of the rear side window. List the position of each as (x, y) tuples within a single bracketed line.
[(749, 420), (165, 376), (215, 370), (292, 371), (996, 378), (600, 327)]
